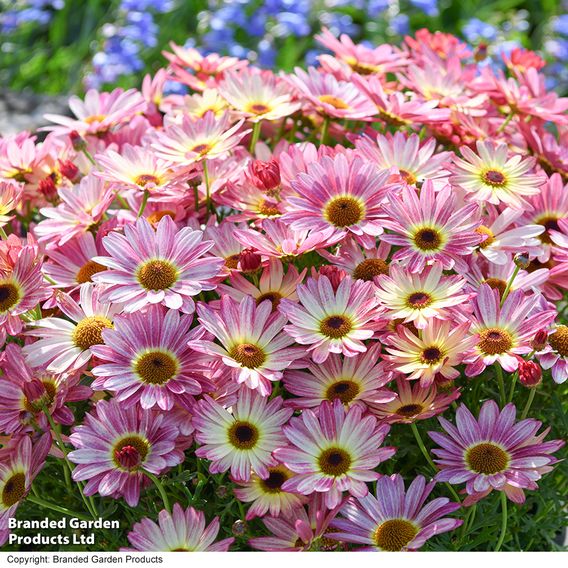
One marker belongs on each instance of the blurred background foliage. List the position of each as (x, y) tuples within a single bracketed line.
[(64, 46)]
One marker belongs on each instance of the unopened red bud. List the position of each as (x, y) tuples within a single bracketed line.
[(264, 175), (540, 340), (480, 52), (334, 273), (48, 188), (34, 390), (250, 260), (77, 141), (530, 374), (68, 169)]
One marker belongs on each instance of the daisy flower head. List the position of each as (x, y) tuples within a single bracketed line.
[(81, 208), (10, 195), (333, 451), (431, 226), (65, 344), (503, 331), (258, 96), (555, 354), (137, 168), (21, 289), (413, 161), (330, 97), (25, 394), (352, 380), (20, 462), (413, 402), (397, 518), (419, 297), (273, 284), (199, 139), (182, 530), (267, 495), (436, 350), (243, 438), (146, 360), (252, 343), (115, 445), (331, 321), (99, 112), (493, 452), (342, 192), (491, 176), (163, 266)]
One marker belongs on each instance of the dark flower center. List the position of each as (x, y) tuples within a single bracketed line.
[(273, 483), (344, 211), (14, 489), (131, 452), (345, 391), (427, 239), (497, 284), (493, 341), (494, 178), (87, 271), (243, 435), (559, 340), (431, 355), (334, 461), (248, 355), (409, 410), (370, 268), (274, 297), (145, 179), (336, 327), (258, 108), (419, 300), (9, 296)]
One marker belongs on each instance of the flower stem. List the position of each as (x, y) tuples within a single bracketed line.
[(161, 490), (503, 521), (42, 503), (89, 156), (509, 284), (429, 459), (513, 385), (499, 373), (506, 121), (143, 204), (208, 202), (255, 136), (527, 407), (89, 503), (324, 130), (3, 233)]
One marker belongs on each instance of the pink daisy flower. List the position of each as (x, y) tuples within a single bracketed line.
[(25, 394), (21, 289), (10, 195), (397, 519), (99, 112), (493, 452), (352, 380), (330, 97), (115, 445), (431, 226), (333, 451), (252, 344), (178, 531), (555, 355), (20, 462), (243, 438), (503, 331), (412, 402), (66, 345), (163, 266), (420, 297), (146, 360), (267, 495), (494, 177), (340, 192), (81, 207), (331, 321), (437, 350)]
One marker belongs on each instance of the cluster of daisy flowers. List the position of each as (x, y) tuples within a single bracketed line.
[(270, 280)]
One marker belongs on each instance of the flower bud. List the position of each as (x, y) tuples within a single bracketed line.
[(539, 340), (68, 169), (334, 273), (77, 141), (480, 52), (530, 374), (522, 260), (48, 189), (36, 395), (250, 260), (264, 175), (239, 528)]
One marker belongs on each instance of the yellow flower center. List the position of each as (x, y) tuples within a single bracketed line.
[(559, 340), (493, 341), (370, 268), (335, 102), (243, 435), (274, 297), (14, 489), (344, 211), (336, 327), (156, 367), (89, 331), (334, 461), (248, 355), (258, 108), (130, 452), (550, 223), (345, 391), (144, 179), (157, 216), (393, 535), (487, 458), (494, 178), (267, 209), (419, 300), (276, 478), (201, 149), (157, 275), (10, 296), (87, 271), (488, 234)]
